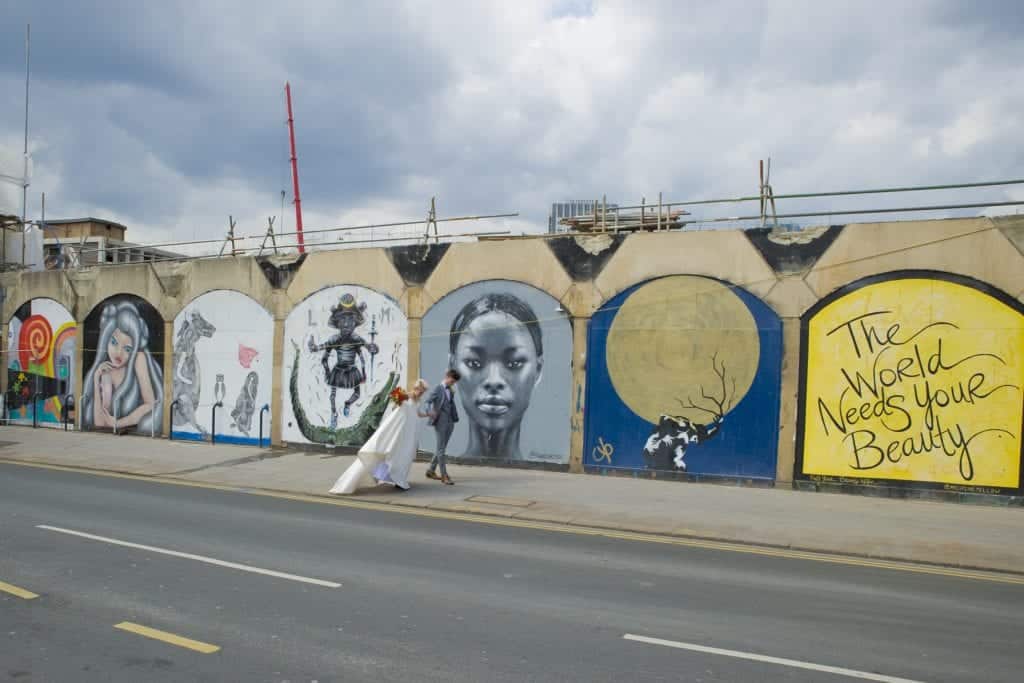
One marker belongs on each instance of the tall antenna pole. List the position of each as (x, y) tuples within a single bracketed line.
[(24, 177), (295, 170)]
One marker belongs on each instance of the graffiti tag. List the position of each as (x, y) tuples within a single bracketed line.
[(603, 451)]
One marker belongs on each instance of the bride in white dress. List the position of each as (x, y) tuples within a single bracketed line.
[(387, 456)]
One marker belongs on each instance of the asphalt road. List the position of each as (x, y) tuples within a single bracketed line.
[(433, 599)]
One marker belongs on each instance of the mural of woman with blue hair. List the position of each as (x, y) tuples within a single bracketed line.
[(124, 387)]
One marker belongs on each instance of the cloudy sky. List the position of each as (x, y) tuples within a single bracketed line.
[(169, 116)]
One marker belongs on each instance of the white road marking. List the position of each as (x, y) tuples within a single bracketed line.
[(190, 556), (794, 663)]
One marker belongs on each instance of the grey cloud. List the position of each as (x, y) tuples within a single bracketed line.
[(143, 105)]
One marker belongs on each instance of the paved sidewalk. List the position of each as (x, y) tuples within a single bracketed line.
[(941, 533)]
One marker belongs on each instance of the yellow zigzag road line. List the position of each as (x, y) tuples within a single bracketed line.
[(481, 518)]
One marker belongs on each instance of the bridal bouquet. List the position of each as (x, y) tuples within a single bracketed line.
[(398, 396)]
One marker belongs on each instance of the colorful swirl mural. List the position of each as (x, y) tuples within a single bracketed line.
[(41, 357)]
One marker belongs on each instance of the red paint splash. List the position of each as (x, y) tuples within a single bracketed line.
[(245, 355)]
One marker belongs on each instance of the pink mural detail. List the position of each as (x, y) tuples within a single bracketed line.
[(245, 355)]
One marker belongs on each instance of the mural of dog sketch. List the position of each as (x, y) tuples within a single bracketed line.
[(666, 446), (187, 375)]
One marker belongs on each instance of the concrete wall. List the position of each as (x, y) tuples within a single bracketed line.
[(790, 273)]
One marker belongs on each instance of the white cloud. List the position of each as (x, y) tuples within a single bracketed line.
[(974, 126)]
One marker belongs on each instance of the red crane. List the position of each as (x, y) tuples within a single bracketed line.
[(295, 170)]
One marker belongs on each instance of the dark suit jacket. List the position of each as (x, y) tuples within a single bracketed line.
[(438, 402)]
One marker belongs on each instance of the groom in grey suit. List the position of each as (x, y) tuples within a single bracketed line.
[(443, 416)]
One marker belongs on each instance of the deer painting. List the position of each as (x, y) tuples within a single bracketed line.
[(666, 446)]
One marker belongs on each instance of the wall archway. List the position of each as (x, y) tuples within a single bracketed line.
[(123, 364), (913, 379), (223, 351), (513, 347), (42, 338), (344, 351), (683, 378)]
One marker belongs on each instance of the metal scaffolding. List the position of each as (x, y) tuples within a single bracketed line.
[(660, 216), (668, 215)]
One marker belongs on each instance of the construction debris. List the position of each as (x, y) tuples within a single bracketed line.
[(613, 220)]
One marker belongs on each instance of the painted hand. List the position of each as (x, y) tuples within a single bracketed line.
[(105, 419)]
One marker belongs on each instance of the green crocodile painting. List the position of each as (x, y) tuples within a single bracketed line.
[(357, 434)]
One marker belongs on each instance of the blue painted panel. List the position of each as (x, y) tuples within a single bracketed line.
[(745, 445), (221, 438)]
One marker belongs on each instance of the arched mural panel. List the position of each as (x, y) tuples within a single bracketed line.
[(513, 348), (41, 338), (344, 351), (683, 377), (122, 353), (223, 352), (913, 379)]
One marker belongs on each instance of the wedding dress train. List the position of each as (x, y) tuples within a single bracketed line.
[(387, 456)]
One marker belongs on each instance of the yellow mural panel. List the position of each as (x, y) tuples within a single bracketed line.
[(917, 380)]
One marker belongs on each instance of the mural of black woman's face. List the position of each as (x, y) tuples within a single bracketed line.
[(500, 367)]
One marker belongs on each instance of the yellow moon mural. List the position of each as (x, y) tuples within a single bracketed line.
[(685, 346)]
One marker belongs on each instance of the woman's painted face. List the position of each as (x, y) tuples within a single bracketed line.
[(119, 348), (499, 367)]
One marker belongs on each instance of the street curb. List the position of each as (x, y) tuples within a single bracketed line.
[(468, 511)]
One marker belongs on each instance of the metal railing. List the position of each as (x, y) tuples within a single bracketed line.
[(213, 421), (81, 250), (668, 215), (170, 427), (264, 409), (65, 410)]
